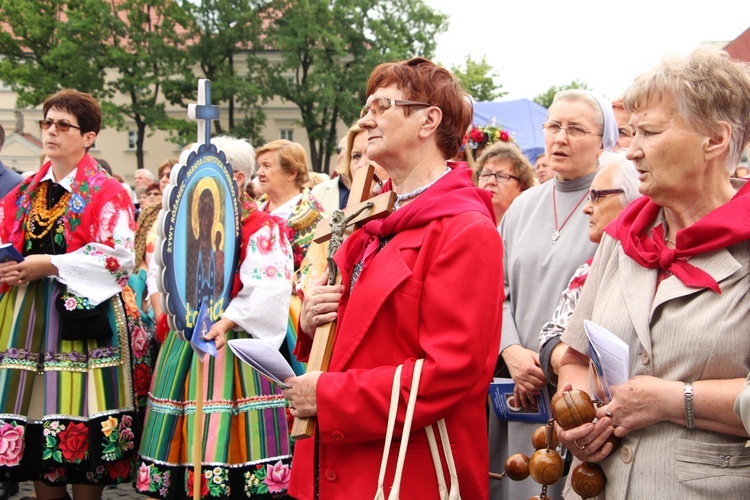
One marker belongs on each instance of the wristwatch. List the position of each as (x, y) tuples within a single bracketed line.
[(689, 411)]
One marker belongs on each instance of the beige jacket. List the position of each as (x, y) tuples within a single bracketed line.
[(675, 333)]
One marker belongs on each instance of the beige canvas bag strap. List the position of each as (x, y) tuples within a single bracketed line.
[(454, 493), (379, 494)]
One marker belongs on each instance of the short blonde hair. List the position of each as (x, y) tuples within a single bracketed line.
[(292, 158), (707, 87)]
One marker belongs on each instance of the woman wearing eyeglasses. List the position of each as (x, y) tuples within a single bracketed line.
[(614, 187), (66, 316), (410, 291), (671, 279), (545, 239), (506, 173)]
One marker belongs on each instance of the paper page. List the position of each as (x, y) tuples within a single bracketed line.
[(613, 353), (263, 357)]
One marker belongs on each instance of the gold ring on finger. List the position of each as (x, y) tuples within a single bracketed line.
[(580, 446)]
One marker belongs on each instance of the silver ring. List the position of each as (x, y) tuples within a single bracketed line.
[(290, 404), (606, 412), (580, 447), (315, 309)]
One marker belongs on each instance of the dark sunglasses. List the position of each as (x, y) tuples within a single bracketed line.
[(597, 194), (61, 125)]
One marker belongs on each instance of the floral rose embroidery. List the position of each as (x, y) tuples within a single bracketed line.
[(204, 484), (109, 425), (120, 468), (141, 379), (140, 342), (142, 478), (277, 477), (265, 244), (112, 264), (70, 303), (11, 444), (271, 272), (74, 442), (128, 297), (54, 473)]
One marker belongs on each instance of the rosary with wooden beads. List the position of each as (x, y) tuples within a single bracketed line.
[(570, 409)]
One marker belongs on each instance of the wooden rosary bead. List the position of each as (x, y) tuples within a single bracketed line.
[(572, 409), (539, 438), (587, 480), (546, 466), (517, 467)]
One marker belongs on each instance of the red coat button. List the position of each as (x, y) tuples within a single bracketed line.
[(337, 436), (331, 475)]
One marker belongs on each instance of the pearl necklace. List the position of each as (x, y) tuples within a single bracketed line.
[(413, 194)]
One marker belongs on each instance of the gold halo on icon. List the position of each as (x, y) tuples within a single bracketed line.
[(210, 184)]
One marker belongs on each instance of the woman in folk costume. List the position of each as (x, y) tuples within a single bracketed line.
[(66, 394), (282, 174), (245, 437), (410, 291)]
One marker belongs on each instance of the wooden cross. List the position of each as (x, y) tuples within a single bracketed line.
[(325, 335)]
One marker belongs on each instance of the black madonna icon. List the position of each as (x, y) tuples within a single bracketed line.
[(199, 229)]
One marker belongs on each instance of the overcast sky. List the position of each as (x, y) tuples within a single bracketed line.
[(535, 44)]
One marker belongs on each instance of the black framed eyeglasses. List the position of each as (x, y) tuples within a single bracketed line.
[(500, 177), (554, 128), (379, 105), (597, 194), (62, 126), (338, 150)]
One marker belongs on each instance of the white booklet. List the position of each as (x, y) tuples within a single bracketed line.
[(610, 360), (264, 357)]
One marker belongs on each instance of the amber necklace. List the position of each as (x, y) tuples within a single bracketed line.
[(42, 216), (556, 234)]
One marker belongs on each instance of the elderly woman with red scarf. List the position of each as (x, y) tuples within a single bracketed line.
[(66, 317), (410, 291), (670, 278)]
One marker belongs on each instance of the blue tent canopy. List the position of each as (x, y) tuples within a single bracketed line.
[(522, 119)]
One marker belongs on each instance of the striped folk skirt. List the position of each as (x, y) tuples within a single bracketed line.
[(67, 408), (245, 439)]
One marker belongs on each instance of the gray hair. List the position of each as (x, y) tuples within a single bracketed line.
[(240, 154), (625, 176), (149, 174), (707, 87)]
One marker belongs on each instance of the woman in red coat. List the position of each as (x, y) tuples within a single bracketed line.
[(424, 282)]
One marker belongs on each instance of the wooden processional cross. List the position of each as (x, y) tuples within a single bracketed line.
[(359, 210)]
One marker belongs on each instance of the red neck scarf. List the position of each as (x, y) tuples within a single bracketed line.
[(726, 225), (451, 195)]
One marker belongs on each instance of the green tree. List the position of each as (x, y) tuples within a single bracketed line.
[(478, 79), (53, 44), (225, 33), (323, 51), (129, 48), (546, 98), (149, 58)]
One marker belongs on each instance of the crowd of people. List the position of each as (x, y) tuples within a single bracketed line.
[(487, 265)]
